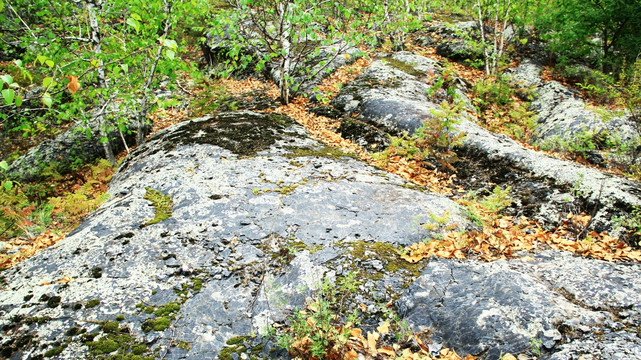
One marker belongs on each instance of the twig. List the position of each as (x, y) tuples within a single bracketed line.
[(22, 21), (183, 89)]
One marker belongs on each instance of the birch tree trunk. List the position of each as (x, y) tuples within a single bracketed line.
[(93, 7), (285, 33), (142, 112)]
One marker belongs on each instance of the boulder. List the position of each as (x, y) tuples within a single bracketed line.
[(392, 93), (77, 145), (455, 41), (528, 305), (260, 215), (562, 113), (396, 100)]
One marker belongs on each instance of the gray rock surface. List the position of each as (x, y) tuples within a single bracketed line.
[(392, 92), (561, 113), (395, 100), (526, 75), (262, 214), (491, 308), (259, 219)]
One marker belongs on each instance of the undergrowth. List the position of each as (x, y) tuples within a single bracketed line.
[(59, 203), (434, 140)]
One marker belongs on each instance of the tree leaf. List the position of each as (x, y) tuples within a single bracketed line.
[(4, 165), (49, 63), (170, 54), (73, 85), (8, 185), (46, 100), (7, 96), (46, 82), (6, 78), (134, 24), (18, 101)]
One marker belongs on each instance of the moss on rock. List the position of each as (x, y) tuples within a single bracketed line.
[(162, 205), (243, 133)]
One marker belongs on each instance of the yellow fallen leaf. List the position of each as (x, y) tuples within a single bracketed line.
[(383, 328), (386, 351), (351, 355), (372, 337)]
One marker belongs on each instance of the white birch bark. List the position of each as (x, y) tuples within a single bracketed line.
[(94, 28), (285, 33)]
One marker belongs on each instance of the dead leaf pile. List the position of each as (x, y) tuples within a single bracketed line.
[(503, 237), (370, 346), (27, 248)]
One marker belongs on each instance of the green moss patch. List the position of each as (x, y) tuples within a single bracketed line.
[(162, 205), (156, 324), (118, 346), (323, 151), (388, 254), (92, 303), (243, 133), (236, 345), (403, 66)]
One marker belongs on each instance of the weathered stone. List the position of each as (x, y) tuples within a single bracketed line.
[(561, 113), (64, 151), (238, 206), (396, 101), (492, 308)]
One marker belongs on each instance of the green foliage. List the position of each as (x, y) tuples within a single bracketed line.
[(435, 139), (492, 90), (535, 346), (286, 33), (498, 200), (571, 25), (631, 223), (319, 330), (580, 144), (92, 63)]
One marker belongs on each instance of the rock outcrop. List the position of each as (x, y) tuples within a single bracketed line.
[(77, 145), (393, 96), (562, 114), (261, 214)]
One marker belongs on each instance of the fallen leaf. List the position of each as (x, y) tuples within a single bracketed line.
[(383, 328), (372, 337)]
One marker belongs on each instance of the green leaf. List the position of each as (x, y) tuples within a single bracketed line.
[(46, 82), (46, 99), (4, 166), (41, 59), (49, 63), (168, 43), (8, 185), (170, 54), (6, 78), (18, 62), (7, 95), (136, 17), (18, 101), (134, 24)]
